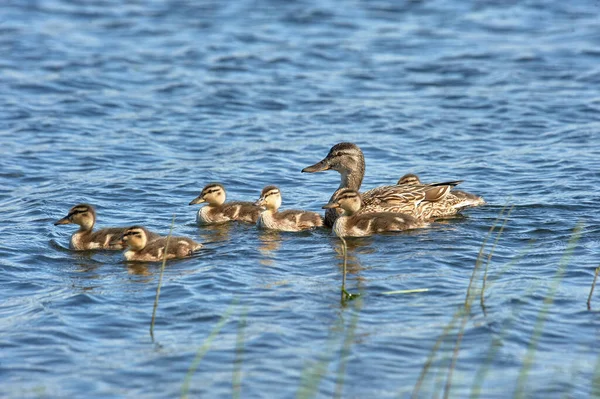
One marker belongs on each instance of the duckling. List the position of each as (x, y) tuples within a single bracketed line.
[(463, 199), (145, 246), (83, 239), (290, 220), (356, 222), (217, 211), (419, 201)]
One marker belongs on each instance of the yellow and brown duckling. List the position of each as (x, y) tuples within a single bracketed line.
[(218, 211), (418, 201), (85, 238), (357, 221), (145, 246), (289, 220), (462, 200)]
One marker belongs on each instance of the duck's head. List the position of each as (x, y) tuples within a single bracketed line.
[(134, 237), (213, 193), (409, 178), (83, 214), (270, 198), (348, 200), (343, 157)]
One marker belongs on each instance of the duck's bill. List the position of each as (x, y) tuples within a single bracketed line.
[(260, 203), (331, 205), (318, 167), (64, 220), (197, 200)]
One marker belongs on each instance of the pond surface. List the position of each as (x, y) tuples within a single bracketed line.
[(135, 107)]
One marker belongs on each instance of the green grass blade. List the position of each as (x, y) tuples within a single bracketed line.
[(204, 348), (160, 278), (541, 319)]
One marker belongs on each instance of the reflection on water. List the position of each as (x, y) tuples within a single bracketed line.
[(214, 233), (269, 242), (139, 269)]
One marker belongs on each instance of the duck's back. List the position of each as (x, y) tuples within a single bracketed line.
[(298, 220), (241, 211), (365, 224), (154, 251), (99, 239)]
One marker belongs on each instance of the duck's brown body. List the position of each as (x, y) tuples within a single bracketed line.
[(356, 222), (85, 238), (218, 211), (289, 220), (145, 246), (455, 199), (423, 201)]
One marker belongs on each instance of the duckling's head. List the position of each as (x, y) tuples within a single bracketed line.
[(270, 198), (343, 157), (409, 178), (348, 200), (135, 237), (213, 193), (83, 214)]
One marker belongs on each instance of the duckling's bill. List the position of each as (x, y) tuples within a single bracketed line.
[(65, 220), (198, 200)]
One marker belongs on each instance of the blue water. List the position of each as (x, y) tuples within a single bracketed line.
[(135, 107)]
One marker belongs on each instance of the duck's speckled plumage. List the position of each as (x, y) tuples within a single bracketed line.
[(145, 246), (456, 199), (85, 238), (218, 211), (422, 201), (358, 222), (289, 220)]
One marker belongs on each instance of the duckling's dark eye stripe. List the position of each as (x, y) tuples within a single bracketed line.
[(212, 191), (132, 233), (271, 193), (77, 211)]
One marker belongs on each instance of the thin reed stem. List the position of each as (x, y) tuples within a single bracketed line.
[(239, 357), (480, 256), (589, 301), (467, 306), (345, 265), (204, 348), (489, 259), (541, 319), (436, 347), (160, 278), (348, 339)]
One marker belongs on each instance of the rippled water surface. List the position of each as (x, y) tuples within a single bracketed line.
[(135, 106)]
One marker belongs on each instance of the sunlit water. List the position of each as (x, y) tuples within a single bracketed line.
[(135, 106)]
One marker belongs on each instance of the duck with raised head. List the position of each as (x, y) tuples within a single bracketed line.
[(419, 201), (461, 199), (218, 211), (85, 238), (358, 222), (145, 246), (289, 220)]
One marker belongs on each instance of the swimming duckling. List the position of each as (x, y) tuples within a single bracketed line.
[(290, 220), (145, 246), (217, 211), (355, 222), (83, 239), (463, 199), (422, 201)]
